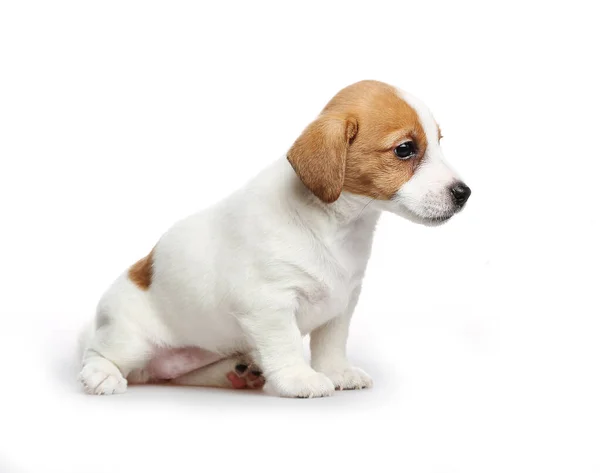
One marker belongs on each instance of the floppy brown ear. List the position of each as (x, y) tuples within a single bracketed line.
[(319, 155)]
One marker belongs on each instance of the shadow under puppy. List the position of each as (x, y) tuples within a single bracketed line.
[(227, 294)]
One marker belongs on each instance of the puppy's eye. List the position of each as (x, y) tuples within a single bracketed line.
[(405, 150)]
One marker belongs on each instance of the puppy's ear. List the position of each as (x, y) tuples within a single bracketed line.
[(319, 155)]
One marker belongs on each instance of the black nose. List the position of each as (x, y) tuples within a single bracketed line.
[(460, 193)]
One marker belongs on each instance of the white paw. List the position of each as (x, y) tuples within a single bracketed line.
[(300, 381), (348, 377), (102, 377)]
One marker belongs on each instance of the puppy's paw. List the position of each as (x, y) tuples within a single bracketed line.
[(102, 377), (300, 381), (348, 377), (246, 375)]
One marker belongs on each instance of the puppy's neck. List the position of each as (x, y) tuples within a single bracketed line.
[(347, 212), (349, 209)]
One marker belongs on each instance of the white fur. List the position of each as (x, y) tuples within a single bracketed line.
[(253, 275)]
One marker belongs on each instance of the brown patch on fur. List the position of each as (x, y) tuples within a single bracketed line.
[(350, 146), (141, 272), (319, 155)]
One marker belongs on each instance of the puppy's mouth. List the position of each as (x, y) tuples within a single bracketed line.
[(436, 220), (427, 220), (432, 221), (428, 212)]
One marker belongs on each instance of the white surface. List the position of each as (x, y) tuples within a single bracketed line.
[(482, 336)]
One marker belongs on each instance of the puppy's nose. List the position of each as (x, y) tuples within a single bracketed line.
[(460, 193)]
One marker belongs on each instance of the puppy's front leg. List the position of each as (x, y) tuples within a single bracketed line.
[(328, 352), (278, 345)]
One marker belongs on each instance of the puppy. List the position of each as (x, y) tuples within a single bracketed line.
[(226, 295)]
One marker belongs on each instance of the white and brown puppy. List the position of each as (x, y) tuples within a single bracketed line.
[(226, 295)]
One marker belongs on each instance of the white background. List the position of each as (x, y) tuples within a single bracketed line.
[(482, 336)]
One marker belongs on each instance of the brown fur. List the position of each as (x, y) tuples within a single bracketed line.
[(350, 146), (319, 155), (141, 272)]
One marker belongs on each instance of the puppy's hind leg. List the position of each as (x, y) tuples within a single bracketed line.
[(115, 350), (116, 346), (234, 372)]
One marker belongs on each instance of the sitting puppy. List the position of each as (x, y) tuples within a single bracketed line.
[(226, 295)]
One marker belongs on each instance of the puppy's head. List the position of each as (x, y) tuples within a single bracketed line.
[(376, 141)]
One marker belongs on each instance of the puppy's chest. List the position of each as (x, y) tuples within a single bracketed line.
[(337, 273)]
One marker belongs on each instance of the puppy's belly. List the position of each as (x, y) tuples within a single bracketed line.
[(169, 363)]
